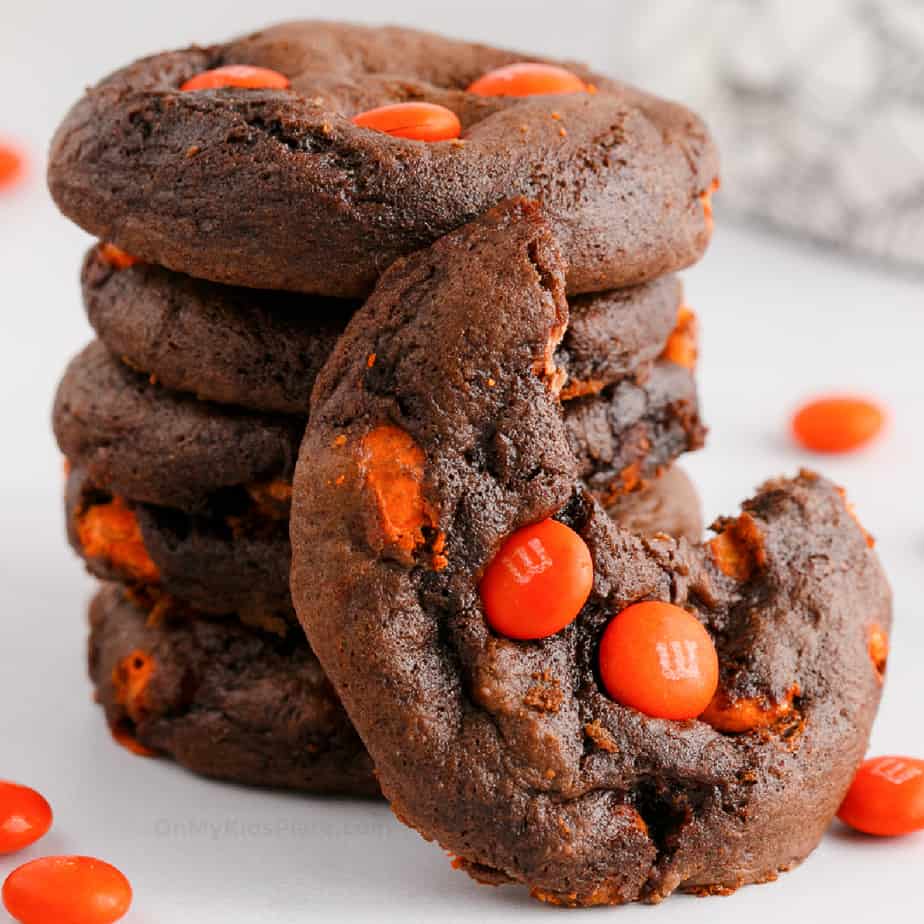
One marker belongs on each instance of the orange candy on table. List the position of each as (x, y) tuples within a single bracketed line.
[(238, 75), (837, 424), (12, 165), (67, 890), (886, 797), (538, 581), (528, 79), (657, 658), (416, 121), (25, 816)]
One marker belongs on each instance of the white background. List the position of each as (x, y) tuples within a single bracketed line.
[(781, 321)]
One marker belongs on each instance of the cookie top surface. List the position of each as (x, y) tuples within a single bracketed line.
[(148, 444), (204, 182), (223, 699), (262, 349), (583, 799)]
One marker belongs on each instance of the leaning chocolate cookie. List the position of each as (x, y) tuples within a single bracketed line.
[(517, 752), (222, 699), (262, 350), (274, 185)]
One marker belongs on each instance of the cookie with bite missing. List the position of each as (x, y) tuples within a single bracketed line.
[(511, 753)]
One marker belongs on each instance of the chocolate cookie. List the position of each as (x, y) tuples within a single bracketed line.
[(631, 432), (509, 753), (248, 347), (222, 699), (144, 442), (262, 350), (232, 560), (279, 189), (147, 443)]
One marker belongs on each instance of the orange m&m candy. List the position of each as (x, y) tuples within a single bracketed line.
[(837, 424), (417, 121), (12, 165), (238, 75), (658, 659), (527, 79), (538, 581), (67, 890), (886, 797), (25, 816)]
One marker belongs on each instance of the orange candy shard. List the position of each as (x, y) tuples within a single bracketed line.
[(682, 345), (67, 890), (537, 582), (837, 424), (238, 75), (877, 645), (393, 468), (130, 678), (658, 659), (115, 256), (744, 715), (886, 797), (738, 549), (25, 816), (528, 79), (415, 121), (111, 532)]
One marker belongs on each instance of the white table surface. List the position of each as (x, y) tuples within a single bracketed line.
[(780, 321)]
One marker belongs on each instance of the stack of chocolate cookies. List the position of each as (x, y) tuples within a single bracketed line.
[(503, 300)]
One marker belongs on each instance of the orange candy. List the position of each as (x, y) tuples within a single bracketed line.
[(417, 121), (658, 659), (67, 890), (115, 256), (837, 424), (238, 75), (12, 166), (25, 816), (528, 79), (537, 582), (886, 797)]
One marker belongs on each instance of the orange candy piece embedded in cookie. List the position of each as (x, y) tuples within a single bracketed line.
[(538, 581), (837, 424), (416, 121), (115, 256), (238, 75), (528, 79), (25, 816), (67, 890), (682, 345), (111, 531), (130, 678), (657, 658), (886, 797)]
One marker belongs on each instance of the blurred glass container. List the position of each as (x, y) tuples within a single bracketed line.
[(818, 108)]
